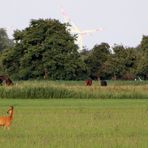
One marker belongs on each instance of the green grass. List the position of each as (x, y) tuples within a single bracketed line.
[(76, 123)]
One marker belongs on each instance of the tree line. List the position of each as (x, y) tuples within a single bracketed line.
[(46, 50)]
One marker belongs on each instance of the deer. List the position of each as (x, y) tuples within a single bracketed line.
[(5, 121)]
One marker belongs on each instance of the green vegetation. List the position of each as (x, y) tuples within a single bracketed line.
[(46, 50), (81, 123), (5, 42), (75, 89), (68, 114)]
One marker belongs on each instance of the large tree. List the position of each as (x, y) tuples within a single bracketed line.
[(44, 48)]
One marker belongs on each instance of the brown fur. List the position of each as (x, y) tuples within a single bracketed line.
[(6, 120), (88, 82), (6, 80)]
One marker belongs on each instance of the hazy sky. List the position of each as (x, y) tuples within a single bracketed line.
[(124, 21)]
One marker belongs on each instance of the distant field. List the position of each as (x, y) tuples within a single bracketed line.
[(76, 89), (76, 123)]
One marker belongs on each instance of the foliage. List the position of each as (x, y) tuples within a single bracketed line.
[(142, 65), (96, 59), (46, 49), (5, 42), (144, 43), (122, 63), (45, 44)]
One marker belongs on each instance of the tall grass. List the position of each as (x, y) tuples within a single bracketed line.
[(73, 89)]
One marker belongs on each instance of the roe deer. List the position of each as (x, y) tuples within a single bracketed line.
[(6, 120)]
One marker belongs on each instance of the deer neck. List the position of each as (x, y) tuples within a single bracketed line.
[(11, 115)]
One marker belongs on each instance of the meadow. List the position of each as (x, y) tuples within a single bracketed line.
[(76, 123), (68, 114)]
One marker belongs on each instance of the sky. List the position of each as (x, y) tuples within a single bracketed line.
[(124, 22)]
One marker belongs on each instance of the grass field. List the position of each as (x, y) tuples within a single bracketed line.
[(76, 123), (75, 89)]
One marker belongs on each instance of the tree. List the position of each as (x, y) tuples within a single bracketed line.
[(96, 59), (45, 45), (5, 42), (142, 64), (144, 44), (121, 64)]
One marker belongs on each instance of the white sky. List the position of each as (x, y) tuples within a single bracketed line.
[(124, 21)]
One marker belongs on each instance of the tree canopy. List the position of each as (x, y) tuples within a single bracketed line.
[(45, 45), (96, 58), (46, 49)]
